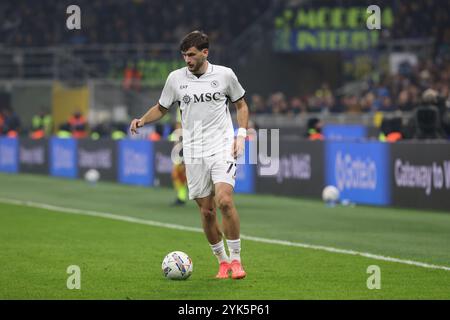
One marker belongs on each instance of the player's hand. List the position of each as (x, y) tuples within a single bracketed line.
[(238, 147), (135, 124)]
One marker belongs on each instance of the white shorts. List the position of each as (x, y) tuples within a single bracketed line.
[(203, 173)]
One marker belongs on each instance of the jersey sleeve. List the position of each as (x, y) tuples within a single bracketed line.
[(235, 90), (168, 94)]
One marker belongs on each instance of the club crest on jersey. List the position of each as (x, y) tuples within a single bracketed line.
[(214, 83), (186, 99)]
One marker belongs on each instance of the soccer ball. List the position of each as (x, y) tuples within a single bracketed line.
[(92, 176), (177, 266), (330, 194)]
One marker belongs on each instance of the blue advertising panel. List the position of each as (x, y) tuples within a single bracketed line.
[(63, 157), (9, 159), (359, 170), (245, 173), (136, 162), (344, 132)]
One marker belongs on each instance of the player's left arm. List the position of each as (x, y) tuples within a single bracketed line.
[(242, 119)]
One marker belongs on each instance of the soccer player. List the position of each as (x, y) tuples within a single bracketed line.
[(203, 92)]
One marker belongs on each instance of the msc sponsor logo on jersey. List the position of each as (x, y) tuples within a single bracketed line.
[(203, 97)]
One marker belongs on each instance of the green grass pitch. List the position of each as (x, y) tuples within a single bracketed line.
[(122, 260)]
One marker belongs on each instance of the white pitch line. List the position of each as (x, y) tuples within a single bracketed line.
[(193, 229)]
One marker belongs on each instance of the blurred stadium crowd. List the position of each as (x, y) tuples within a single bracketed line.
[(398, 92), (27, 24)]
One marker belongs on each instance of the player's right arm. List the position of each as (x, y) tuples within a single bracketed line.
[(153, 114), (168, 96)]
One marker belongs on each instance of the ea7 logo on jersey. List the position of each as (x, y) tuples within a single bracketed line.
[(206, 97), (183, 86)]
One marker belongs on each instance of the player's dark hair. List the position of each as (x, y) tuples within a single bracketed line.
[(195, 39)]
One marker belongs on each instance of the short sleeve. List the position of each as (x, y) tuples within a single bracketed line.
[(168, 94), (235, 90)]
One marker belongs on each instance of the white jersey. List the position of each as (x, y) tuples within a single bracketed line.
[(203, 101)]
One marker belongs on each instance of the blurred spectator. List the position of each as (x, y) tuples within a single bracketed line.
[(99, 131), (381, 93), (403, 100), (156, 134), (78, 125), (386, 104), (119, 131), (277, 103), (324, 99), (11, 125), (313, 103), (2, 121), (367, 102), (132, 77), (64, 131), (352, 104), (42, 122), (257, 105), (391, 130), (314, 129), (37, 133), (296, 106)]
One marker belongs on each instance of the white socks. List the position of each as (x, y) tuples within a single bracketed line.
[(219, 251), (234, 246)]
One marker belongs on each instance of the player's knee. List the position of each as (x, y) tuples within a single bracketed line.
[(208, 213), (225, 203)]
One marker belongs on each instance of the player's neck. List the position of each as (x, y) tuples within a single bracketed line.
[(202, 69)]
